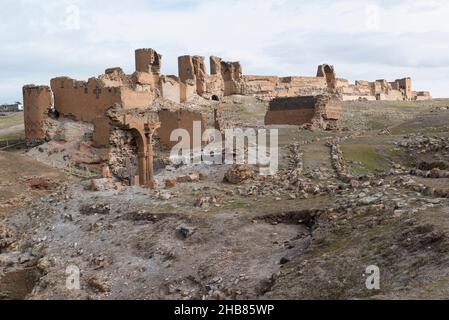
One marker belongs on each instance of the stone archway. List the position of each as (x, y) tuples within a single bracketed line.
[(142, 154), (143, 131)]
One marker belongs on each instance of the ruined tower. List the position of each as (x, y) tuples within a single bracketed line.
[(328, 72), (37, 103), (149, 61)]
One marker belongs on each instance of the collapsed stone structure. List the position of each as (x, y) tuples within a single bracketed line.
[(147, 106), (320, 111)]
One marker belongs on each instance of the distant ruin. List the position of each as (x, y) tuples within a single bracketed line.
[(147, 103), (9, 107)]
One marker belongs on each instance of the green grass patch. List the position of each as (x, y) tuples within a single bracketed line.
[(11, 120), (366, 155), (13, 137)]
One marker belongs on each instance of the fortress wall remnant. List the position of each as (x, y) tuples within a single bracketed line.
[(186, 69), (404, 85), (102, 132), (83, 101), (400, 89), (37, 102), (320, 110), (225, 78), (148, 61), (269, 87), (187, 77), (421, 95), (180, 119), (200, 74), (134, 99), (328, 72), (87, 100), (171, 88)]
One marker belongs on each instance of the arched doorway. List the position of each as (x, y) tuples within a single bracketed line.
[(142, 155), (143, 130)]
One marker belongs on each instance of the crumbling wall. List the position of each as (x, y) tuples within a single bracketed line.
[(83, 101), (180, 119), (225, 78), (123, 154), (328, 72), (148, 61), (377, 90), (171, 88), (37, 102), (200, 74), (421, 96), (115, 77), (187, 77), (268, 88), (232, 77), (405, 86), (102, 132), (319, 111)]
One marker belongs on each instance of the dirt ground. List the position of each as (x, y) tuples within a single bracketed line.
[(306, 233)]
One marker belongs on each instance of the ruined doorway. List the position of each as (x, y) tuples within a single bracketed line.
[(139, 176)]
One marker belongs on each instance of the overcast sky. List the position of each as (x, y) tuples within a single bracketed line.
[(366, 40)]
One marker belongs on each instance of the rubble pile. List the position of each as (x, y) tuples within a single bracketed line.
[(238, 174), (7, 237), (421, 144), (339, 164)]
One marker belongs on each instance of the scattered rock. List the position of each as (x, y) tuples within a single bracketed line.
[(99, 285), (95, 209), (102, 185), (188, 178), (170, 183), (185, 232), (238, 174)]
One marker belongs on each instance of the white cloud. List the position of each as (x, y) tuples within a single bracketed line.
[(363, 39)]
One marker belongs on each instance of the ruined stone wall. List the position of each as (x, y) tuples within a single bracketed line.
[(123, 154), (268, 88), (187, 77), (421, 95), (377, 90), (148, 61), (102, 131), (328, 72), (171, 88), (181, 119), (83, 101), (225, 78), (404, 85), (37, 102), (307, 110)]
